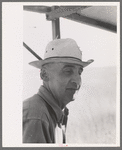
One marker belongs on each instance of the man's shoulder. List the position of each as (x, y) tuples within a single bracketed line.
[(34, 100), (34, 107)]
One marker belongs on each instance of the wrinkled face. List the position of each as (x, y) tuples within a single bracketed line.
[(64, 81)]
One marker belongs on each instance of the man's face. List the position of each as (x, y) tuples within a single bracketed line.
[(64, 81)]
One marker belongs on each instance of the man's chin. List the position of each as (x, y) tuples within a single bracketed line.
[(71, 95), (72, 99), (68, 100)]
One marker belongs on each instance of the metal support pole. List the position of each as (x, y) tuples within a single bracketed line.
[(56, 29), (55, 26), (30, 50)]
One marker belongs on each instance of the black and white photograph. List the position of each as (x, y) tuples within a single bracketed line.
[(61, 73)]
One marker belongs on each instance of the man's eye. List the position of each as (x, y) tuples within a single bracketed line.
[(68, 71)]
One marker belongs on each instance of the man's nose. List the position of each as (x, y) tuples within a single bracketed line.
[(76, 81)]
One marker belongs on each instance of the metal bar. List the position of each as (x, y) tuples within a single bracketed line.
[(93, 22), (30, 50), (56, 29), (55, 26), (38, 9)]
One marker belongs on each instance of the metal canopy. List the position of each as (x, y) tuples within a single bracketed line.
[(104, 17)]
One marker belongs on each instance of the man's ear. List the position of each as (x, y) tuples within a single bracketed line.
[(44, 75)]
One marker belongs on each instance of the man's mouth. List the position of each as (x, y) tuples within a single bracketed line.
[(71, 90)]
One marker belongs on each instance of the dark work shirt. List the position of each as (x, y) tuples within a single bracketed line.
[(41, 114)]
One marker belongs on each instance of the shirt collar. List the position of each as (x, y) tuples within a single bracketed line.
[(48, 97)]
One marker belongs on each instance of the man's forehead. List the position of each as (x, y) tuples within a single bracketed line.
[(70, 65), (61, 65), (64, 65)]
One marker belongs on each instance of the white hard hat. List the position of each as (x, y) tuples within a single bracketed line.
[(62, 50)]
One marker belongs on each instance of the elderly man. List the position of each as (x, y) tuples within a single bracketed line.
[(61, 72)]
